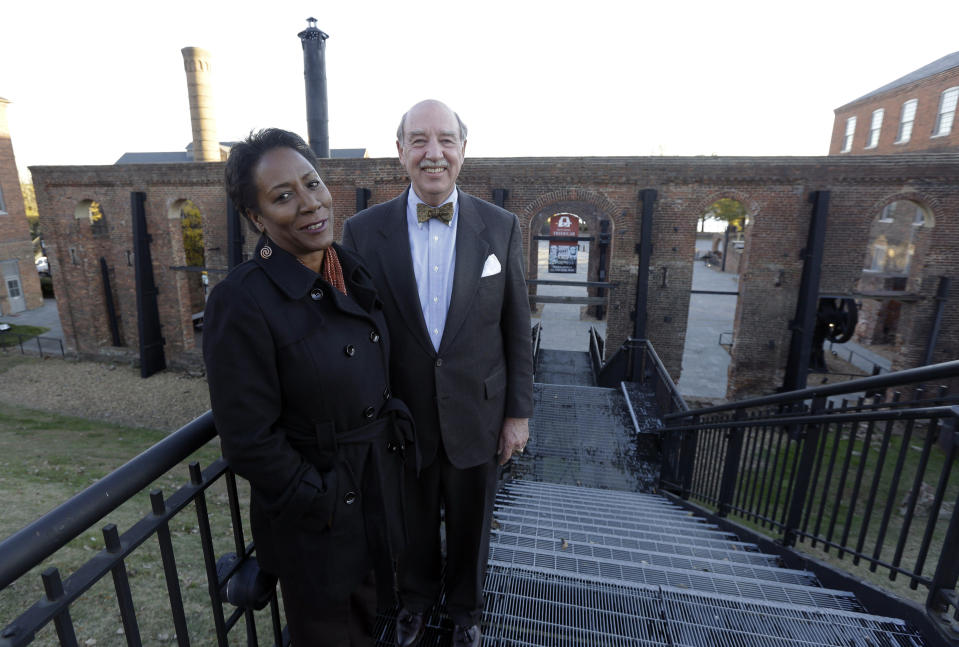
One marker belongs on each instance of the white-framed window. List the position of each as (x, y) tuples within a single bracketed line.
[(947, 112), (847, 138), (887, 213), (3, 205), (875, 128), (907, 116)]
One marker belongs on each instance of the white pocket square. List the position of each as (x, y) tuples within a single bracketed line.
[(491, 266)]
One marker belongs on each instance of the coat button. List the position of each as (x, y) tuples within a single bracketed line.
[(369, 412), (439, 361), (386, 393), (349, 350), (316, 294), (374, 337), (349, 498)]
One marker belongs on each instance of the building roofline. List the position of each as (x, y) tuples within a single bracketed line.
[(944, 64)]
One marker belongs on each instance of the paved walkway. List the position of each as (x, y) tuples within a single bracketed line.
[(46, 316), (705, 362)]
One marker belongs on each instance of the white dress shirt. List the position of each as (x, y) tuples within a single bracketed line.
[(433, 248)]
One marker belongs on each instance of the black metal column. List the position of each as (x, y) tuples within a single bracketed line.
[(314, 70), (148, 312), (803, 325), (941, 295), (234, 234), (603, 247), (108, 299), (362, 199), (499, 197), (645, 251)]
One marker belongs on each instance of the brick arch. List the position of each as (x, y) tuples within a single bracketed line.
[(929, 203), (752, 207)]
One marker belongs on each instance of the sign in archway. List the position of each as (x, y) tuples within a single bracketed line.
[(562, 253)]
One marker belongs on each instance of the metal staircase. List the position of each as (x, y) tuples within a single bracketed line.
[(584, 553)]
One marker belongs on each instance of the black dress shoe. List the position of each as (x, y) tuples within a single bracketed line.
[(464, 636), (409, 628)]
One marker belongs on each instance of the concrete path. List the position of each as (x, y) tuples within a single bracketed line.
[(705, 362), (46, 316)]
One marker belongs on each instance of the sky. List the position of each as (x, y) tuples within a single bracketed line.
[(89, 81)]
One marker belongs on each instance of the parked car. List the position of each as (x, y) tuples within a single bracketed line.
[(43, 266)]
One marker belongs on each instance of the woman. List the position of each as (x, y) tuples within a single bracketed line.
[(297, 356)]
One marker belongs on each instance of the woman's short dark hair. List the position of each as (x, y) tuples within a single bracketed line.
[(244, 157)]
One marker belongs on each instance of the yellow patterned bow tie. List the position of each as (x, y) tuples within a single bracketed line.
[(444, 212)]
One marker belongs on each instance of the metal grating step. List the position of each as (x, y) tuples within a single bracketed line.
[(584, 436), (601, 511), (574, 492), (741, 553), (564, 367), (696, 620), (553, 610), (643, 558), (705, 531), (719, 540), (529, 609), (625, 573)]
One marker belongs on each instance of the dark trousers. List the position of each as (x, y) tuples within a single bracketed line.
[(343, 623), (467, 499)]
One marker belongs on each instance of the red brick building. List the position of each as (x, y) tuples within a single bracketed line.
[(775, 192), (19, 283), (915, 113)]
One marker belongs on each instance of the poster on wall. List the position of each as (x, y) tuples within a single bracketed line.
[(562, 254)]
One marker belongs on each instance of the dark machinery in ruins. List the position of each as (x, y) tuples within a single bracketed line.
[(836, 321)]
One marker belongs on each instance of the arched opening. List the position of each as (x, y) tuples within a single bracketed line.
[(192, 277), (889, 281), (718, 255), (91, 211), (560, 269)]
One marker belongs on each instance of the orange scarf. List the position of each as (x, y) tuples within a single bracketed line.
[(332, 271)]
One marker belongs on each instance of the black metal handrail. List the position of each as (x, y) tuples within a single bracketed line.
[(855, 478), (29, 547)]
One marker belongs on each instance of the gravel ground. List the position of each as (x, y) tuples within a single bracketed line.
[(110, 392)]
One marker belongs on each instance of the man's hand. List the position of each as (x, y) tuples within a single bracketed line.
[(512, 438)]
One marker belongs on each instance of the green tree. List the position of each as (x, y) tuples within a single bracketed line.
[(192, 223), (730, 211)]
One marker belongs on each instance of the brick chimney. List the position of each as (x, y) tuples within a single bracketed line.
[(206, 146)]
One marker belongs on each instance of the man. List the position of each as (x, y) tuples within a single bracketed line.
[(449, 267)]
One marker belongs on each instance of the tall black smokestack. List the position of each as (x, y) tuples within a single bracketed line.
[(314, 70)]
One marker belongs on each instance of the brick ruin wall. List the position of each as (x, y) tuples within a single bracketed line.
[(775, 192)]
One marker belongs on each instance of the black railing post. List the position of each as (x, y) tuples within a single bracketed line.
[(687, 459), (734, 450), (942, 589), (810, 442), (53, 589)]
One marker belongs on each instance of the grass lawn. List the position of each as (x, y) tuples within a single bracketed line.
[(45, 459), (838, 510)]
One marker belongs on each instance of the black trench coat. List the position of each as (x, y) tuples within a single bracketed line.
[(299, 384)]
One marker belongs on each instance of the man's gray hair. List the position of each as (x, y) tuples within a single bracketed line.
[(401, 132)]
